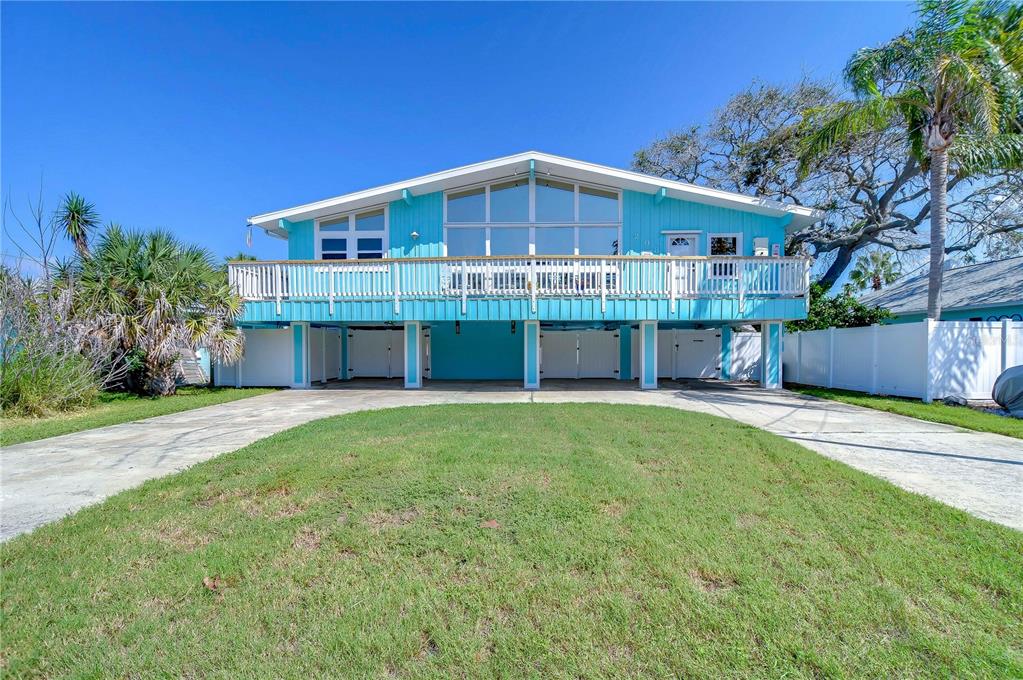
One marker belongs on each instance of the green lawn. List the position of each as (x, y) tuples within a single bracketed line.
[(115, 408), (540, 540), (936, 412)]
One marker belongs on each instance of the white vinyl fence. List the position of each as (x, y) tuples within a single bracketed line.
[(927, 360)]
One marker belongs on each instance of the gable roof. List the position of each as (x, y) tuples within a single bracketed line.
[(519, 164), (987, 284)]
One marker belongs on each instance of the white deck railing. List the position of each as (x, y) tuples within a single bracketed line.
[(637, 277)]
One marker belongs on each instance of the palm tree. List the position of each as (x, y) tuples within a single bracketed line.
[(78, 218), (874, 270), (157, 298), (954, 84)]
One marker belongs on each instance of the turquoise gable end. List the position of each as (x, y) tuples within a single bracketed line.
[(644, 220), (424, 217), (300, 240)]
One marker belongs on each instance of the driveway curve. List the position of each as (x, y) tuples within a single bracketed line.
[(977, 472)]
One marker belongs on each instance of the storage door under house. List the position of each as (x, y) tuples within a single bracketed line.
[(380, 352), (324, 354), (376, 353), (684, 353), (579, 354)]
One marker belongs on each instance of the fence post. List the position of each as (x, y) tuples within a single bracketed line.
[(831, 356), (799, 357), (929, 377), (603, 286), (875, 331), (278, 282), (1006, 335)]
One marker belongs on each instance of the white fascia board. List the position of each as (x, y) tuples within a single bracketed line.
[(518, 164)]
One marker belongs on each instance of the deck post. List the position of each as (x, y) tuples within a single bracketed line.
[(648, 355), (770, 355), (413, 370), (531, 361), (300, 354)]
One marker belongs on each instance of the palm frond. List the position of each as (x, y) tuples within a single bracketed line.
[(977, 154)]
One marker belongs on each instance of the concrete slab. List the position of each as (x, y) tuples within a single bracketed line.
[(45, 480)]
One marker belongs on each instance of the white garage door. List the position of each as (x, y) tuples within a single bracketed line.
[(558, 355), (376, 353), (683, 353), (598, 354), (579, 354), (698, 354)]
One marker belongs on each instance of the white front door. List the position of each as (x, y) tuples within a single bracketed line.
[(682, 245)]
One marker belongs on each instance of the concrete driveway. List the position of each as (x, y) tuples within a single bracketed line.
[(45, 480)]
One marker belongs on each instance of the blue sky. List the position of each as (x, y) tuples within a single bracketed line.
[(192, 117)]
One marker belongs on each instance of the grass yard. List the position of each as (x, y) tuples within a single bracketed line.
[(936, 412), (541, 540), (118, 407)]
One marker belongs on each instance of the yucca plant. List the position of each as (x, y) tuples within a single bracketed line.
[(954, 84), (875, 270), (77, 218), (158, 298)]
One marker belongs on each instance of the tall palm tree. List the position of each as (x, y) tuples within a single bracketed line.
[(875, 270), (157, 298), (77, 218), (954, 84)]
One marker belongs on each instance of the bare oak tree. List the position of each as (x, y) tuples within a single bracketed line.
[(873, 192)]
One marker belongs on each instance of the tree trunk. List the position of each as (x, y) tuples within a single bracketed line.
[(939, 222), (842, 259), (160, 379)]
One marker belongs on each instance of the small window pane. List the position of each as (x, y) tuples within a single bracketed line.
[(597, 205), (370, 256), (467, 242), (334, 224), (370, 221), (723, 245), (598, 240), (371, 244), (555, 240), (509, 201), (509, 241), (335, 256), (555, 201), (467, 206), (335, 244)]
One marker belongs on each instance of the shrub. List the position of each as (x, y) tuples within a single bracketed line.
[(40, 386)]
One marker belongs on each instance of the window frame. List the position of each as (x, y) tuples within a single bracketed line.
[(532, 224), (351, 235)]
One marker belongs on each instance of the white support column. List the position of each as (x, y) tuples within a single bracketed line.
[(300, 354), (648, 355), (413, 370), (531, 361), (770, 354)]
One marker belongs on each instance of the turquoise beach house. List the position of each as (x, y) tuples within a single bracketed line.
[(524, 268)]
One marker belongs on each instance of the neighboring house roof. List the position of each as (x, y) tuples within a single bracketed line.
[(988, 284), (543, 163)]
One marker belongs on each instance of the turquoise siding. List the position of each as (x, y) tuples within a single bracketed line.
[(345, 375), (480, 351), (298, 352), (643, 220), (425, 217), (726, 352), (625, 353), (300, 240), (966, 313), (412, 353), (513, 310)]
